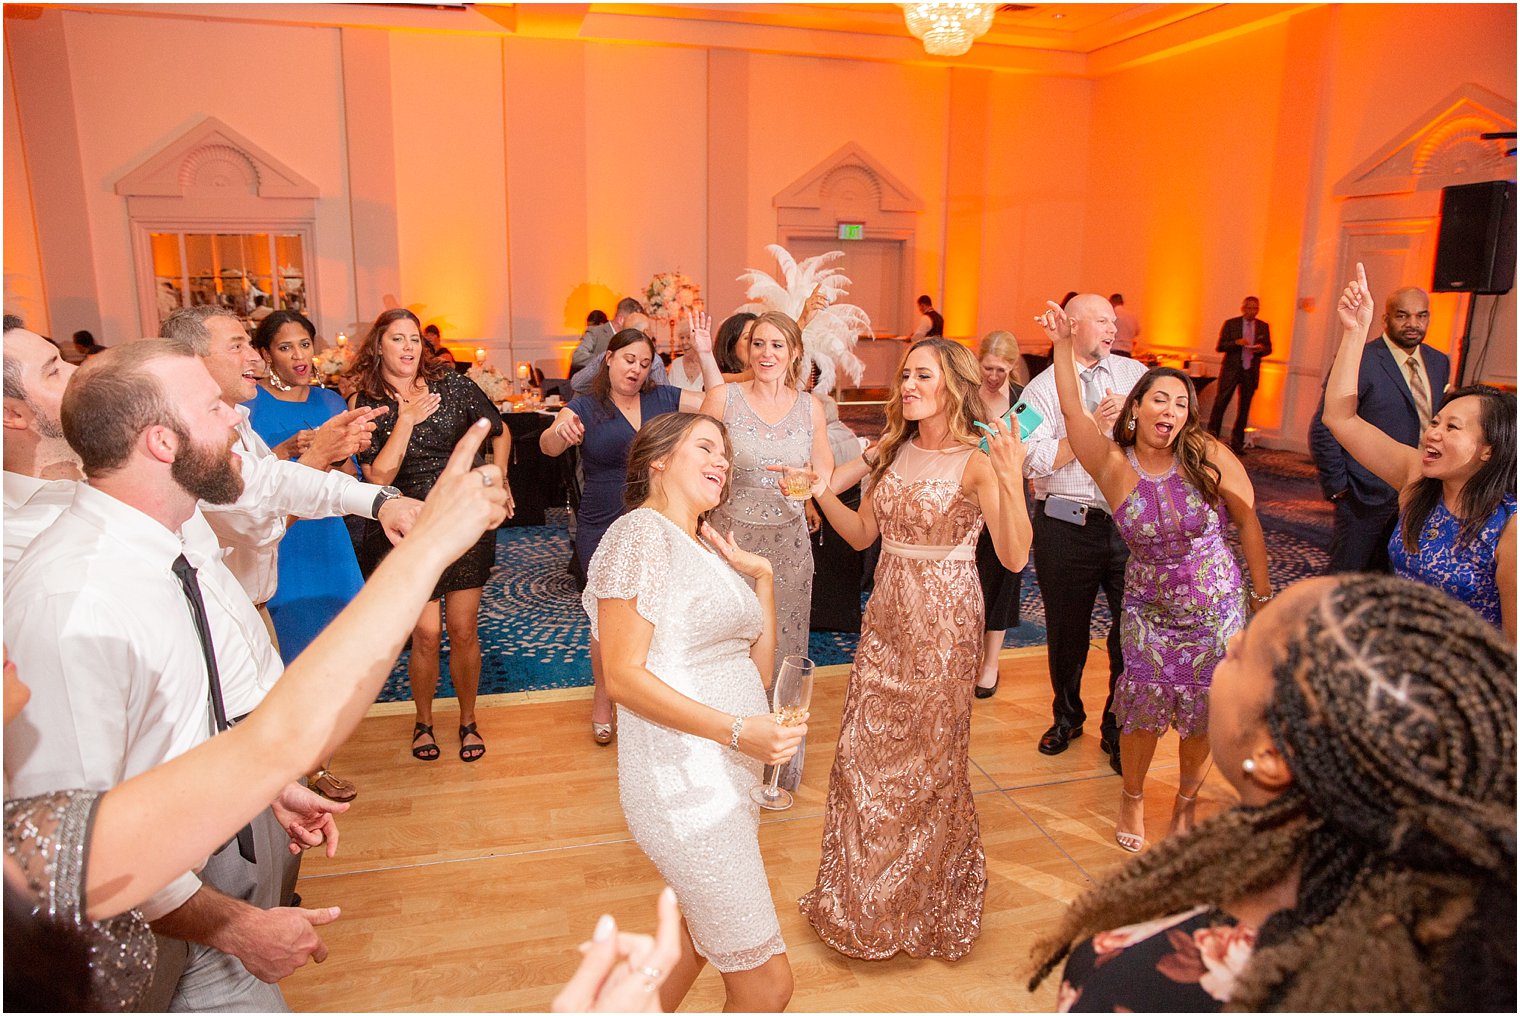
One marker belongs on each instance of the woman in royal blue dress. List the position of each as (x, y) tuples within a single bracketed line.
[(1456, 528), (318, 574), (604, 423)]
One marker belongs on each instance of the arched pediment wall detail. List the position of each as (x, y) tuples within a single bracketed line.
[(219, 165), (1439, 149)]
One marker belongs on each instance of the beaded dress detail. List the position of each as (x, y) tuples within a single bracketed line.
[(765, 522), (1183, 602), (48, 836), (902, 866), (1467, 572), (686, 799)]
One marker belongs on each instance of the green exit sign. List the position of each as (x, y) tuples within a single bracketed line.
[(852, 231)]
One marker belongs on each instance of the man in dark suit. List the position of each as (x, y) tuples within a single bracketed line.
[(1245, 342), (1396, 396)]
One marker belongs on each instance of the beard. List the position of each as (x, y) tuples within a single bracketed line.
[(46, 426), (206, 472)]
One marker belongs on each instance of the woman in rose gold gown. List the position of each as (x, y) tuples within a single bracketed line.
[(902, 867)]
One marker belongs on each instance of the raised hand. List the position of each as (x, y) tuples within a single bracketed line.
[(420, 409), (745, 563), (464, 503), (1355, 306), (816, 301), (1055, 322), (701, 331), (1005, 449)]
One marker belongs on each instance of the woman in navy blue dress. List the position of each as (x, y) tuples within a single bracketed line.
[(318, 573), (603, 423), (1456, 528)]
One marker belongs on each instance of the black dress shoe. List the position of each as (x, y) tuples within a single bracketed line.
[(1058, 738), (1110, 746), (989, 692)]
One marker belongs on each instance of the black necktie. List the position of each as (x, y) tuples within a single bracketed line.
[(186, 575)]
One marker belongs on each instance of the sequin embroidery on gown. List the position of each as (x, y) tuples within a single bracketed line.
[(902, 865), (686, 799), (48, 836), (764, 522)]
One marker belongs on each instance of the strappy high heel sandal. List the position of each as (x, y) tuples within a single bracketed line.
[(1132, 842)]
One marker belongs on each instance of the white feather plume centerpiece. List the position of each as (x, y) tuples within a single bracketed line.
[(828, 341)]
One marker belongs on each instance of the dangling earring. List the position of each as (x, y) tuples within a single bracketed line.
[(1131, 425)]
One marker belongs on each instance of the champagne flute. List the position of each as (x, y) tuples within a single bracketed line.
[(790, 698)]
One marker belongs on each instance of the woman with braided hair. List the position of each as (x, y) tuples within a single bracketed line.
[(1368, 724), (1456, 526)]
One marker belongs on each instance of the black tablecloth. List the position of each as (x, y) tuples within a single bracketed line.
[(837, 570), (538, 482)]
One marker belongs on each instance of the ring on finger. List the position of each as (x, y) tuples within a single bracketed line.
[(485, 479)]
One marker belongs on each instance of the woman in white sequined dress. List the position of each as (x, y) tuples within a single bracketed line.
[(901, 866), (687, 651)]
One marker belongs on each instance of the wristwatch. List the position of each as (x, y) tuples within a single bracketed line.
[(386, 493)]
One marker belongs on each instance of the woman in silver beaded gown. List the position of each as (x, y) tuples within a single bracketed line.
[(686, 654), (763, 521)]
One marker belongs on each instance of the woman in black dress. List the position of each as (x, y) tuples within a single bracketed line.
[(430, 409)]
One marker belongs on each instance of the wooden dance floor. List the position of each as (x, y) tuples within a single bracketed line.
[(468, 887)]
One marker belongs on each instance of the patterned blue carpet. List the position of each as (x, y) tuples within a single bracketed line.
[(534, 635)]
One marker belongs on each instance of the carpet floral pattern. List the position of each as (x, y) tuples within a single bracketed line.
[(534, 635)]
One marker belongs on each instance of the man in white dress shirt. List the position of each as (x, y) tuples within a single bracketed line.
[(40, 467), (99, 623), (1077, 549)]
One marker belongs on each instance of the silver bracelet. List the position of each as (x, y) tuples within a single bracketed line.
[(733, 737), (1258, 599)]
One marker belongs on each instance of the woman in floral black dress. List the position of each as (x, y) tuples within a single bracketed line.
[(1368, 724)]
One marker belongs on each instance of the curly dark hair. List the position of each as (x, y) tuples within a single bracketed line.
[(1394, 708), (369, 380)]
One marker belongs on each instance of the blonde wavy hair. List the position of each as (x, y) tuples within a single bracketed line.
[(962, 405)]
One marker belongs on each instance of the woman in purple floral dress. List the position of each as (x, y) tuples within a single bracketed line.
[(1183, 596)]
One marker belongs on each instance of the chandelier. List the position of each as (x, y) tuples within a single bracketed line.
[(948, 29)]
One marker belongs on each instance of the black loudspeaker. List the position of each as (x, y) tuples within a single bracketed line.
[(1476, 251)]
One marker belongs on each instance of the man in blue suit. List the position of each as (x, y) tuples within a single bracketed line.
[(1398, 387)]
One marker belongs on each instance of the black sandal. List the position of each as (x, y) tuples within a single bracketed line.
[(425, 752), (470, 752)]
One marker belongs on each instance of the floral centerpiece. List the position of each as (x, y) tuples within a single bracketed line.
[(670, 295), (329, 363), (491, 381)]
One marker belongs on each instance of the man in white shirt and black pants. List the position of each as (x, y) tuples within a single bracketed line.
[(101, 624), (1077, 548)]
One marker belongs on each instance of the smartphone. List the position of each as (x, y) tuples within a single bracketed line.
[(1074, 512), (1029, 418)]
